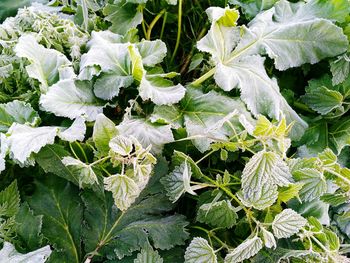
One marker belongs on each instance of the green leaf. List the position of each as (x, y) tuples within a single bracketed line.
[(107, 86), (199, 251), (217, 214), (314, 183), (46, 64), (211, 116), (340, 69), (9, 200), (335, 199), (340, 134), (124, 189), (123, 16), (287, 223), (279, 254), (265, 197), (264, 168), (286, 193), (252, 7), (147, 133), (250, 247), (50, 158), (152, 52), (85, 173), (61, 219), (179, 157), (9, 254), (323, 100), (28, 227), (177, 182), (166, 114), (268, 238), (148, 255), (72, 99), (104, 131), (144, 220), (24, 140), (19, 112)]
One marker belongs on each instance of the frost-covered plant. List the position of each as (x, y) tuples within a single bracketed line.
[(108, 154)]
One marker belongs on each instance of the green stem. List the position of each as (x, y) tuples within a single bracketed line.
[(100, 160), (83, 152), (179, 25), (205, 156), (203, 78), (72, 150), (152, 24), (163, 25)]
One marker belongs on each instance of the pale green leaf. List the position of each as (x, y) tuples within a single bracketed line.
[(9, 254), (262, 199), (45, 63), (249, 75), (121, 145), (19, 112), (292, 29), (286, 193), (340, 134), (268, 238), (104, 130), (250, 247), (217, 214), (252, 7), (24, 140), (223, 16), (211, 116), (107, 86), (123, 16), (177, 182), (85, 173), (340, 69), (199, 251), (264, 168), (124, 189), (161, 91), (287, 223), (314, 183), (166, 114), (76, 132), (147, 133), (152, 52), (72, 99), (323, 100), (148, 255)]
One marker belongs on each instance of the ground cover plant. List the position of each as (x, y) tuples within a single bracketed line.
[(174, 131)]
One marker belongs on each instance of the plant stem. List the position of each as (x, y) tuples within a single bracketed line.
[(205, 156), (163, 25), (152, 24), (203, 78), (179, 25)]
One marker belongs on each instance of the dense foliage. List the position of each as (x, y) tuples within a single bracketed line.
[(175, 131)]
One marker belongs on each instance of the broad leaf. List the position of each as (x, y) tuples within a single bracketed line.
[(212, 116), (104, 131), (287, 223), (250, 247), (123, 16), (264, 168), (323, 100), (177, 182), (85, 173), (199, 251), (24, 140), (265, 197), (9, 254), (268, 238), (72, 99), (314, 183), (19, 112), (340, 134), (152, 52), (217, 214), (148, 255), (76, 132), (46, 64), (166, 114), (29, 227), (61, 219), (340, 69), (147, 133)]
